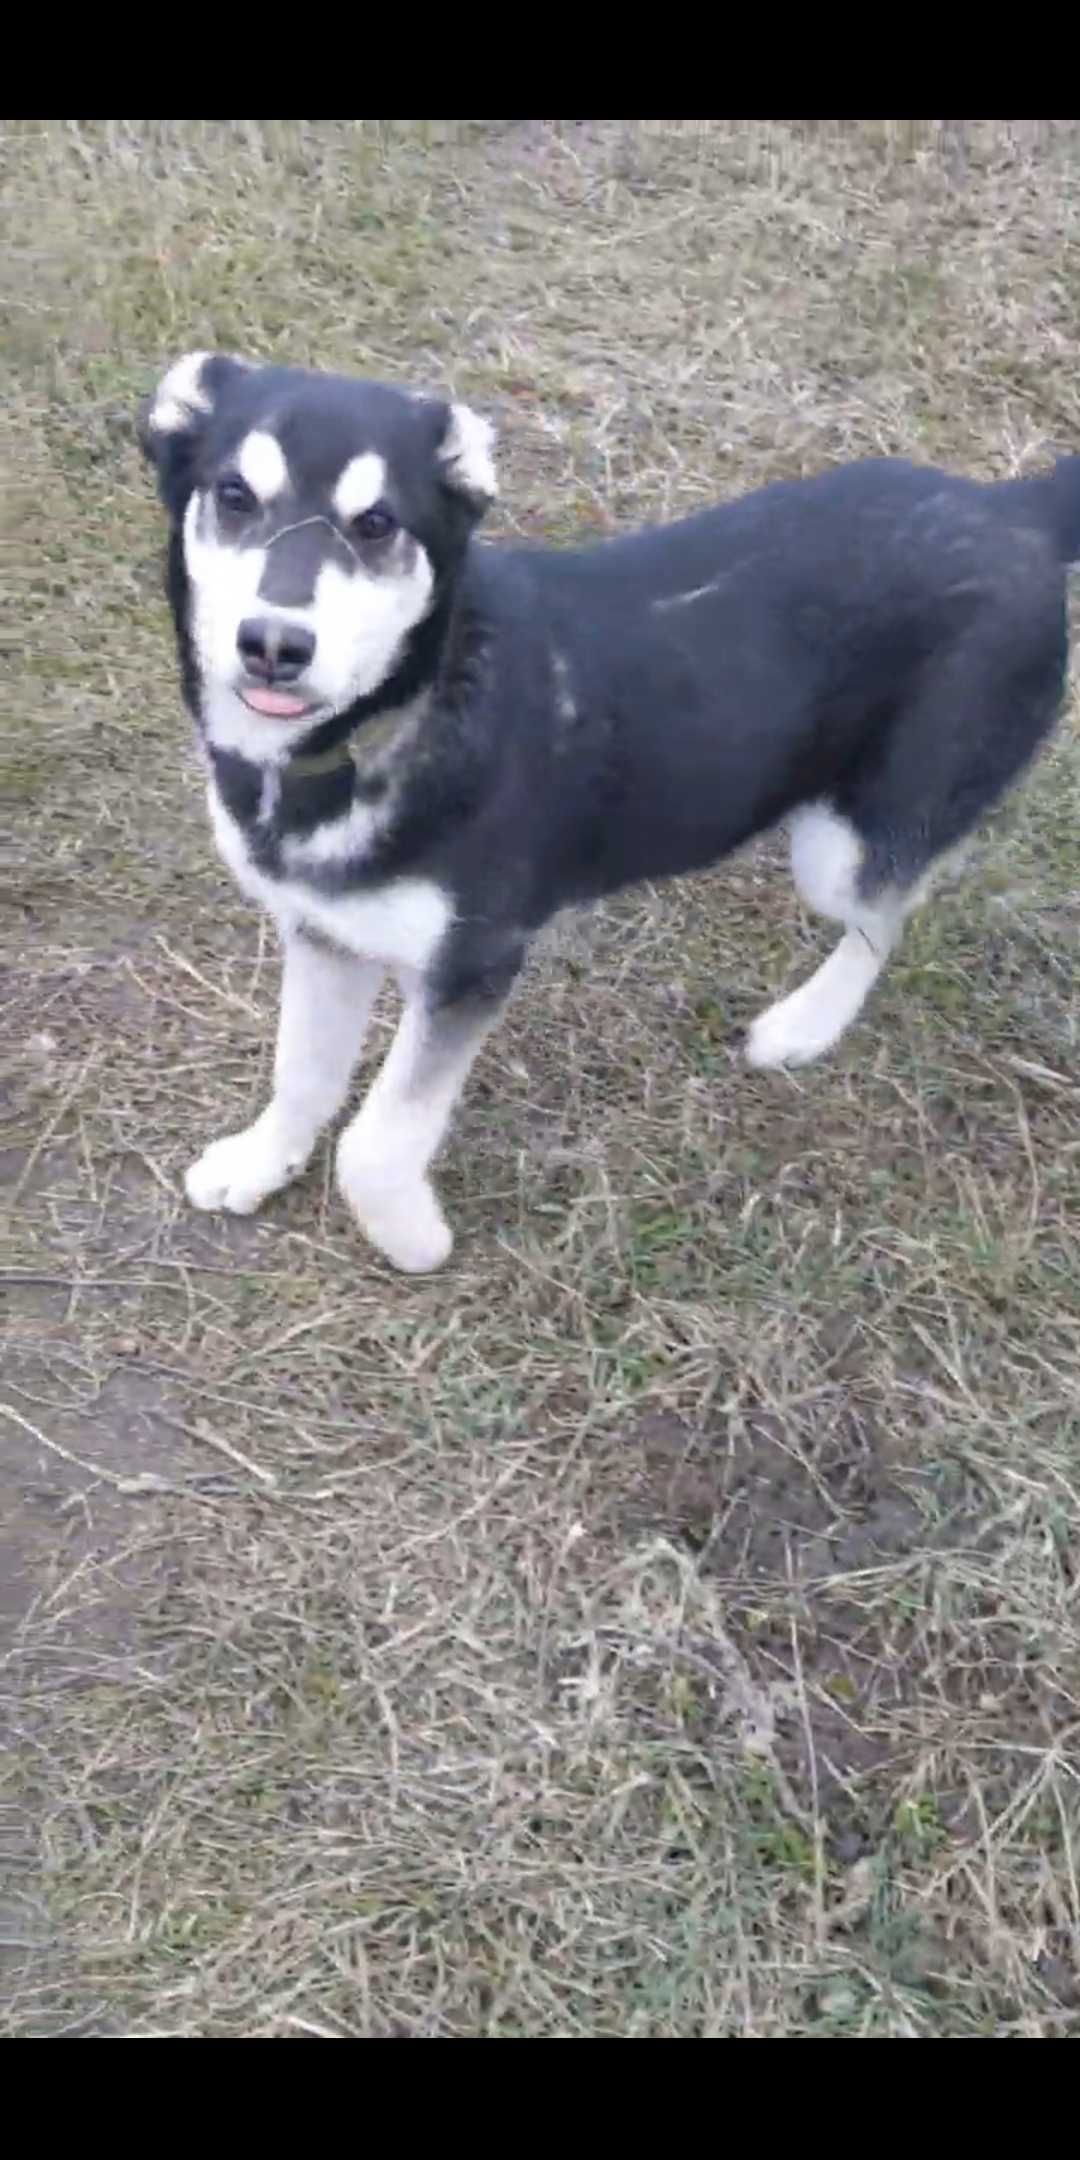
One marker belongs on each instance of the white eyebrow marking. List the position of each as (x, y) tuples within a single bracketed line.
[(360, 485), (261, 463)]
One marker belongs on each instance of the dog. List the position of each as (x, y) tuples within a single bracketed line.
[(420, 747)]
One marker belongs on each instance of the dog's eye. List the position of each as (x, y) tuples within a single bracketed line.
[(378, 523), (233, 494)]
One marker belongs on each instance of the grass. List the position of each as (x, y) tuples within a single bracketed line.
[(665, 1623)]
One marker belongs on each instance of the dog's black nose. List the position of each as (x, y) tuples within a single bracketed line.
[(274, 651)]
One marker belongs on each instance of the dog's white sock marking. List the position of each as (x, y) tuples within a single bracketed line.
[(385, 1154), (360, 485), (260, 461), (326, 1000), (806, 1024), (825, 858)]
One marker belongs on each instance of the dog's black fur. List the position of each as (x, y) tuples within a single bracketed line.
[(889, 639), (886, 639)]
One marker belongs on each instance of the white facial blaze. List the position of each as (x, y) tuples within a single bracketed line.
[(360, 485), (359, 620), (261, 462)]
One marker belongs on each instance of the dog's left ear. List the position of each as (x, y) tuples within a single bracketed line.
[(171, 422), (465, 454)]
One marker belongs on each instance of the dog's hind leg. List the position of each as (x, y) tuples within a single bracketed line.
[(980, 716), (827, 865), (326, 1001), (953, 755)]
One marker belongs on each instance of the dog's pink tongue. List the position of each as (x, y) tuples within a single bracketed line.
[(276, 704)]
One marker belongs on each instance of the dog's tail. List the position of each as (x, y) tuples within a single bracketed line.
[(1053, 500)]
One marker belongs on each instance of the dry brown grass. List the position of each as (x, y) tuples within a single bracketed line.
[(666, 1622)]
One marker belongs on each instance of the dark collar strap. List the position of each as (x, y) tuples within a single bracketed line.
[(359, 749), (311, 767)]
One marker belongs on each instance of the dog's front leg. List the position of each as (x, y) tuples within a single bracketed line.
[(326, 1001), (385, 1154)]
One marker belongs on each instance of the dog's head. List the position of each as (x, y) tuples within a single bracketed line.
[(317, 522)]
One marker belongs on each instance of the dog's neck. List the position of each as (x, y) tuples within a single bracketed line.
[(312, 786)]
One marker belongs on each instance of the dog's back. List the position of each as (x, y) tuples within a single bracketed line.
[(676, 691)]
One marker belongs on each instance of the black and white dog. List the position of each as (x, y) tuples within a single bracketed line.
[(420, 748)]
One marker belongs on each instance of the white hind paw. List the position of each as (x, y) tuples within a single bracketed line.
[(788, 1034)]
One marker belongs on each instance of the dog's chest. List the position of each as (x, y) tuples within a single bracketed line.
[(400, 923)]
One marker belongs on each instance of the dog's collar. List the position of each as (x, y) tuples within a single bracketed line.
[(318, 762), (357, 749), (314, 784)]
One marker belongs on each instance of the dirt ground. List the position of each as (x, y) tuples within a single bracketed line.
[(667, 1621)]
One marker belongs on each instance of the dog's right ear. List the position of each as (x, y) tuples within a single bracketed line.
[(171, 422)]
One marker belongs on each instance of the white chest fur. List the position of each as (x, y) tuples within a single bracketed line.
[(400, 923)]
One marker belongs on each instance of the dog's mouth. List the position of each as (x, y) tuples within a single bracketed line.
[(276, 704)]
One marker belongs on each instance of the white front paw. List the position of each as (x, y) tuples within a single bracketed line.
[(401, 1217), (240, 1172), (414, 1235)]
